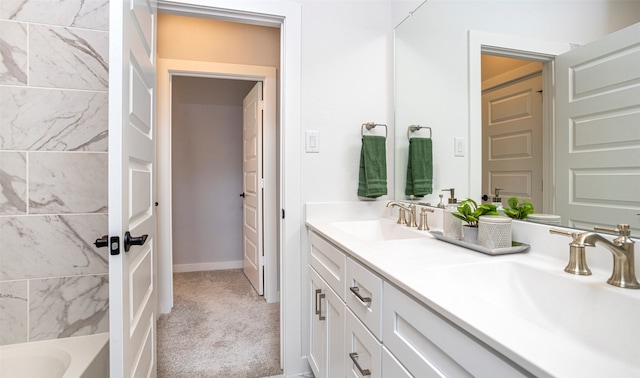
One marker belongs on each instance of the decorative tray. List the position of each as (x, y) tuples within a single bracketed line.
[(516, 247)]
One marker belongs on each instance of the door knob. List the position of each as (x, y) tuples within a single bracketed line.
[(242, 194), (133, 240), (102, 242)]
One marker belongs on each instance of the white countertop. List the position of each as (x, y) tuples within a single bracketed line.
[(407, 262)]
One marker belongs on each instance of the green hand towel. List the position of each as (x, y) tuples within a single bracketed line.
[(373, 167), (419, 168)]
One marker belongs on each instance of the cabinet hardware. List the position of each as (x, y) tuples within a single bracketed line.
[(354, 358), (356, 291)]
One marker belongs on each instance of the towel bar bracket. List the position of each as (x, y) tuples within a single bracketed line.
[(372, 125), (414, 128)]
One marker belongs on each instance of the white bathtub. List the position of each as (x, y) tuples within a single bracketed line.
[(73, 357)]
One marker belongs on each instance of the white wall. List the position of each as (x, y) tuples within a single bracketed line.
[(207, 170), (347, 50), (435, 88)]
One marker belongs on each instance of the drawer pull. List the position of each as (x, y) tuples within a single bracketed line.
[(319, 298), (354, 358), (318, 291), (356, 291)]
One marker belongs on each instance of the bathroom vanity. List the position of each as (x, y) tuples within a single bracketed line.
[(386, 300)]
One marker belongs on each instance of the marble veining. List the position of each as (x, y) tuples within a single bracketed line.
[(68, 58), (68, 182), (13, 53), (13, 183), (13, 312), (51, 246), (37, 119), (69, 306), (90, 14)]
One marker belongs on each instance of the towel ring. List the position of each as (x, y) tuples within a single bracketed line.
[(414, 128), (371, 125)]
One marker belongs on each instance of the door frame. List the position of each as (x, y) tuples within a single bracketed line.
[(288, 16), (166, 70), (520, 48)]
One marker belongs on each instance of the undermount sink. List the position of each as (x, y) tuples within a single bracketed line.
[(377, 230), (581, 309)]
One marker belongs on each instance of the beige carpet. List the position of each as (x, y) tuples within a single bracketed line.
[(219, 327)]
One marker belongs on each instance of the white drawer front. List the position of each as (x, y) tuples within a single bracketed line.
[(329, 262), (362, 351), (364, 296), (423, 341), (391, 367)]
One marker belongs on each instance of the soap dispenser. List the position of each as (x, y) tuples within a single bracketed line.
[(496, 200), (452, 226)]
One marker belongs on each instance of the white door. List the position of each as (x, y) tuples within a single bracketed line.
[(512, 140), (132, 298), (598, 132), (252, 185)]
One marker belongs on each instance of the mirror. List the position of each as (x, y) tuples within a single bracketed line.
[(437, 81)]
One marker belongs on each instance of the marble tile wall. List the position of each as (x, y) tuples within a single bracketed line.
[(53, 169)]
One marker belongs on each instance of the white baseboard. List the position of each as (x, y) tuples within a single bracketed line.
[(220, 265)]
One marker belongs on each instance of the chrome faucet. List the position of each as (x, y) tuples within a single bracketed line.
[(403, 209), (622, 248)]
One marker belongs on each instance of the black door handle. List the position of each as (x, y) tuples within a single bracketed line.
[(485, 197), (133, 240), (102, 242), (242, 194)]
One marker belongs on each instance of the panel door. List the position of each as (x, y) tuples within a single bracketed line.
[(598, 132), (512, 140), (253, 258), (132, 295)]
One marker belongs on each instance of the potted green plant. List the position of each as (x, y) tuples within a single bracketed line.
[(469, 211), (518, 210)]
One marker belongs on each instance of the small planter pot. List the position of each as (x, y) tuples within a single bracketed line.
[(470, 234)]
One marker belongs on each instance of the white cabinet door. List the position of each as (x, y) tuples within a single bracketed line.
[(391, 367), (363, 350), (327, 310)]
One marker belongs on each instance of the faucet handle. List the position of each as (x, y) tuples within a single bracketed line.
[(622, 229), (577, 258), (572, 234)]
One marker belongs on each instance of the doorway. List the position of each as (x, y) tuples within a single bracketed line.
[(512, 129)]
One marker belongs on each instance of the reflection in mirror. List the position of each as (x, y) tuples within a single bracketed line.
[(438, 84)]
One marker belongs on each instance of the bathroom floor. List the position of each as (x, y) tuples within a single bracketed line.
[(219, 327)]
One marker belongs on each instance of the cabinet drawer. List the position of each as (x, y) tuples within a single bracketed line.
[(364, 296), (329, 262), (362, 351), (391, 367), (423, 341)]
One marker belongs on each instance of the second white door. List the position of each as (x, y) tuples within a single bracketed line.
[(252, 185)]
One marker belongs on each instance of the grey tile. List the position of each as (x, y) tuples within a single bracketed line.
[(13, 312), (13, 183), (51, 246), (68, 58), (69, 306), (13, 53), (89, 14), (68, 182), (53, 120)]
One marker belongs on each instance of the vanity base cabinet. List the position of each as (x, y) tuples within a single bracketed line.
[(430, 346), (327, 323), (392, 368), (363, 350)]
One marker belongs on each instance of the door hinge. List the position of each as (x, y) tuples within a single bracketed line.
[(282, 213), (261, 105), (261, 183)]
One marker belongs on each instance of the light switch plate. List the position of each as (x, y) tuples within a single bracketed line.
[(312, 141), (459, 146)]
